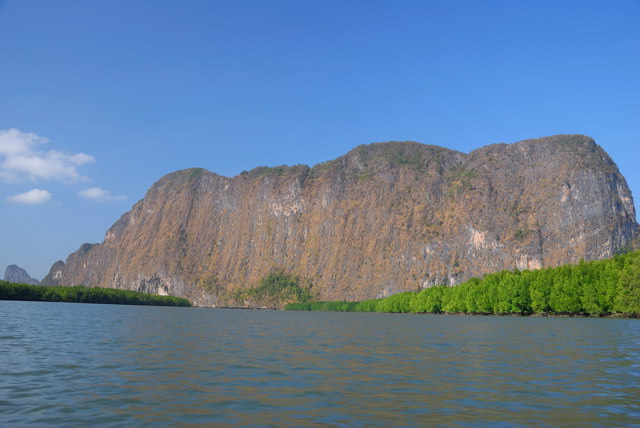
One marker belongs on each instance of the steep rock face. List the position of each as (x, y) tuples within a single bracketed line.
[(384, 218), (55, 274), (16, 274)]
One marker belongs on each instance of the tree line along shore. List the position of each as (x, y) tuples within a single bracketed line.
[(608, 287), (81, 294)]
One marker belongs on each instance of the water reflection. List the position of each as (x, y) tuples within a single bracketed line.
[(116, 365)]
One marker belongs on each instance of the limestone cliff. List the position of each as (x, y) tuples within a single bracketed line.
[(55, 274), (384, 218), (15, 273)]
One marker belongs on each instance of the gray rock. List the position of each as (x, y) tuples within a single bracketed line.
[(16, 274), (54, 275)]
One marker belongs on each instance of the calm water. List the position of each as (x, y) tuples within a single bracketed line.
[(86, 365)]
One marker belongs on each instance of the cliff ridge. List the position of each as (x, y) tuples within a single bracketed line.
[(383, 218)]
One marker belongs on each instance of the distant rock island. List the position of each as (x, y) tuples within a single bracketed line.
[(383, 218), (15, 273)]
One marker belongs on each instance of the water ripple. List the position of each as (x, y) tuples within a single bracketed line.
[(81, 365)]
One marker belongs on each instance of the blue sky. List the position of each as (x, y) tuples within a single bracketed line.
[(99, 99)]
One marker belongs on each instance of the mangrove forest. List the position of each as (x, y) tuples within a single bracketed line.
[(80, 294), (608, 287)]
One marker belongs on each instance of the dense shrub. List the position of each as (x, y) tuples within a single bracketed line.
[(276, 290), (80, 294)]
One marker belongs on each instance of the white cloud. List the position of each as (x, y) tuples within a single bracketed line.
[(32, 197), (98, 194), (21, 159)]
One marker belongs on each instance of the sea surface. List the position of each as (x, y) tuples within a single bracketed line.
[(65, 364)]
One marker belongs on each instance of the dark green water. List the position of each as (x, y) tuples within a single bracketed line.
[(96, 365)]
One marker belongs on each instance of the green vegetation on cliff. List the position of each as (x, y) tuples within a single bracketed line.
[(80, 294), (597, 288), (276, 290)]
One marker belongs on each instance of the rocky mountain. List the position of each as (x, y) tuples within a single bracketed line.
[(384, 218), (15, 273), (54, 276)]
